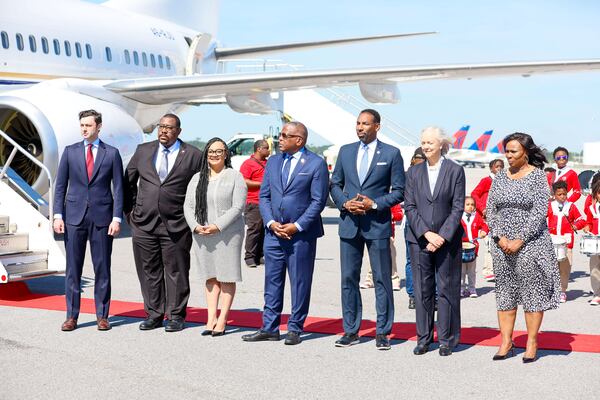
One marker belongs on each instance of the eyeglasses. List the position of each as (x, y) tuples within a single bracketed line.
[(558, 158), (167, 128), (217, 152), (286, 136)]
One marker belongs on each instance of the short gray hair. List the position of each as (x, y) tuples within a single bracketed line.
[(441, 135)]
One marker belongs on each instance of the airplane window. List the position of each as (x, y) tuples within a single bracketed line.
[(45, 47), (108, 54), (78, 49), (20, 44), (136, 58), (160, 61), (68, 48), (88, 51), (152, 61), (168, 60), (144, 59), (32, 44), (127, 58), (5, 42), (56, 44)]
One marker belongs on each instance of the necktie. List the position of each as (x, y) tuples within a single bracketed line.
[(364, 164), (468, 217), (163, 171), (287, 162), (89, 162)]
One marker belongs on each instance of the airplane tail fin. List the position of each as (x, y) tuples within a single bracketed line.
[(199, 15), (459, 137), (499, 148), (482, 141)]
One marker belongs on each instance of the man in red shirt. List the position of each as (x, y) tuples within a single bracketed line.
[(253, 170)]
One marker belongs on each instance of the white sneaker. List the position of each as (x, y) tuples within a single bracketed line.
[(473, 293), (595, 301), (563, 297)]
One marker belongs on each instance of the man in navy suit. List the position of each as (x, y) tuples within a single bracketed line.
[(292, 196), (92, 211), (367, 181)]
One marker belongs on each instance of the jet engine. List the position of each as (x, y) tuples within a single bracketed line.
[(380, 92)]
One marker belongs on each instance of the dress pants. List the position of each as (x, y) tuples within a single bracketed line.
[(298, 257), (255, 233), (162, 261), (76, 237), (351, 252), (441, 268)]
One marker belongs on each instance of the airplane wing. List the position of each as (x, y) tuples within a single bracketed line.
[(163, 90)]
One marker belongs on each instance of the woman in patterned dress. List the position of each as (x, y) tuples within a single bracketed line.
[(524, 261)]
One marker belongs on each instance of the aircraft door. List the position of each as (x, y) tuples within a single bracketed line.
[(196, 53)]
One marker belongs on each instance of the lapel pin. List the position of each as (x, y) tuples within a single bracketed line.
[(302, 160), (378, 152)]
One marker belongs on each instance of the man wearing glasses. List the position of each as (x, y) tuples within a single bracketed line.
[(292, 196), (156, 181), (567, 174)]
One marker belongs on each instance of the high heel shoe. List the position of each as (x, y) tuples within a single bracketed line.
[(208, 332), (509, 353), (527, 360), (219, 333)]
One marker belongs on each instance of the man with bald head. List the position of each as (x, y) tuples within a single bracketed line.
[(292, 195)]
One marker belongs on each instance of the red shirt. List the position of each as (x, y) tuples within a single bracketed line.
[(592, 212), (560, 221), (480, 194), (254, 170), (573, 187), (471, 229)]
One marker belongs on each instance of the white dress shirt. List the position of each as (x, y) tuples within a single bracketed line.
[(371, 146), (433, 171), (171, 157)]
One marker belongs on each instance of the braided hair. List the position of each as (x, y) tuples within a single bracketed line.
[(201, 212), (535, 154)]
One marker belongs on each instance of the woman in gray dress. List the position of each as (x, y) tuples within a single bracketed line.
[(524, 261), (214, 202)]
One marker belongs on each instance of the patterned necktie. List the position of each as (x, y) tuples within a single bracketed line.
[(285, 174), (364, 164), (89, 162), (163, 171)]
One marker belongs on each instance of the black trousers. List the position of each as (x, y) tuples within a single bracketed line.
[(441, 268), (255, 234), (162, 261)]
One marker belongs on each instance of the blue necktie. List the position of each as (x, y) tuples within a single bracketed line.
[(285, 174), (364, 164), (163, 170)]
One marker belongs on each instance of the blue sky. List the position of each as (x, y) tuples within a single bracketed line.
[(557, 109)]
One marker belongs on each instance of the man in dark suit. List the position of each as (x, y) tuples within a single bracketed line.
[(292, 196), (156, 181), (435, 198), (367, 181), (92, 211)]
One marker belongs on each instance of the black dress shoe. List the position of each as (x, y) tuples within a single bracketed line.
[(207, 332), (445, 350), (292, 338), (151, 323), (420, 349), (174, 325), (509, 353), (261, 336), (347, 340), (382, 342), (411, 303)]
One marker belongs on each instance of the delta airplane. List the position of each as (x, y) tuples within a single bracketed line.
[(459, 137), (475, 155), (134, 60)]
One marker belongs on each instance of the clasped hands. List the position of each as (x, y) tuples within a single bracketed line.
[(510, 246), (206, 229), (435, 241), (283, 231), (359, 205)]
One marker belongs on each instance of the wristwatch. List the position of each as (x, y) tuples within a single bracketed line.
[(374, 206)]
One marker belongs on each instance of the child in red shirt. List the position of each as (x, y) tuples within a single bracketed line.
[(563, 220), (592, 211), (474, 229)]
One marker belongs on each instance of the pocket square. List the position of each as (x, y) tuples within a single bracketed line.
[(303, 173), (382, 163)]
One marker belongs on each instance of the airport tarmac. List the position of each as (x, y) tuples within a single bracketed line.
[(40, 361)]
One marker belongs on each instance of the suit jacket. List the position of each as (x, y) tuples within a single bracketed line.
[(150, 201), (75, 193), (303, 198), (441, 212), (384, 184)]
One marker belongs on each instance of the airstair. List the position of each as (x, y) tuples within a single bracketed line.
[(27, 246)]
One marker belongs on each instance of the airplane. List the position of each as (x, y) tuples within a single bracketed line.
[(459, 137), (145, 58), (498, 148), (476, 154)]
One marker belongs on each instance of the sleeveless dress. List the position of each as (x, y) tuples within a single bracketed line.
[(517, 209)]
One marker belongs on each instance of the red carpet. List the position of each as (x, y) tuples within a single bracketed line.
[(18, 295)]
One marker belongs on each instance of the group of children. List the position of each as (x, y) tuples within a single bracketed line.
[(564, 220)]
